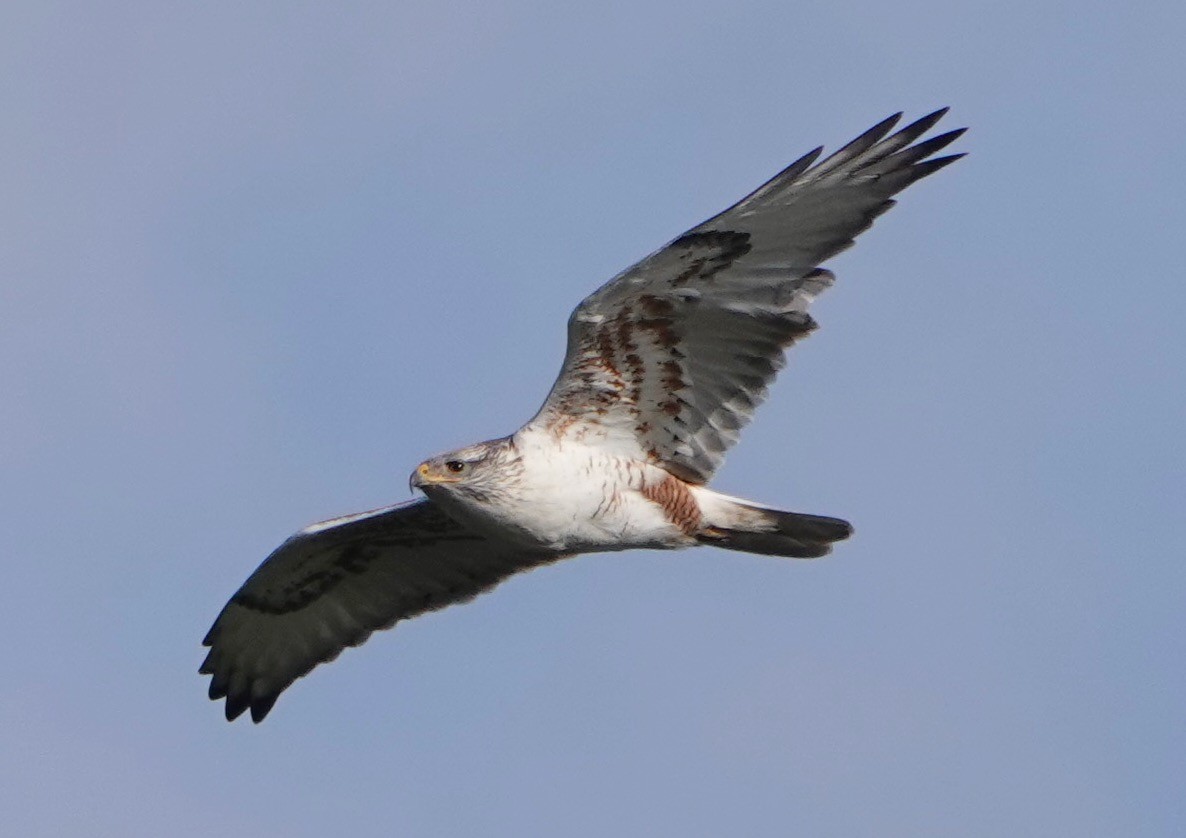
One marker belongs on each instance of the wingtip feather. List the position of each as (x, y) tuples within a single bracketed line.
[(925, 123), (930, 166), (260, 707), (235, 707)]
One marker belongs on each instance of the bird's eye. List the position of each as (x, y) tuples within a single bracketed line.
[(455, 466)]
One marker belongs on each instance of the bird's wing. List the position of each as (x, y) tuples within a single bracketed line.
[(332, 584), (668, 360)]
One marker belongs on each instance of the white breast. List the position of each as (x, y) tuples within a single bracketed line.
[(581, 498)]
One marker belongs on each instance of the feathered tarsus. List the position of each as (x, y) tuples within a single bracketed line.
[(665, 365)]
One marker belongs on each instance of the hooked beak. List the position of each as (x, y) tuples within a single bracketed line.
[(419, 478), (426, 477)]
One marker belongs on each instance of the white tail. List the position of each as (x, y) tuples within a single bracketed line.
[(736, 524)]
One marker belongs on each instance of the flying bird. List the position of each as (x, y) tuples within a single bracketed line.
[(665, 364)]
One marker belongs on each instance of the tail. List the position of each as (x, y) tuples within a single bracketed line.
[(736, 524)]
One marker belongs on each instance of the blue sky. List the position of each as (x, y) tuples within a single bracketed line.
[(260, 259)]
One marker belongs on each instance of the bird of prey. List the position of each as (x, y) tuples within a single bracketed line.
[(665, 365)]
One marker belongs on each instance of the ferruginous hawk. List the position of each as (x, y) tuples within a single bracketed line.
[(665, 364)]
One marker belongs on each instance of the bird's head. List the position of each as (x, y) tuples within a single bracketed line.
[(472, 473)]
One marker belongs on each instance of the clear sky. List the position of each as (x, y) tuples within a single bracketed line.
[(259, 259)]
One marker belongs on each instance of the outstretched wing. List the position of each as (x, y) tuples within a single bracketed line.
[(332, 584), (669, 359)]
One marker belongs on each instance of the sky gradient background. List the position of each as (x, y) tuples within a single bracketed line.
[(258, 260)]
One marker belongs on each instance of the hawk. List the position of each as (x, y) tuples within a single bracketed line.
[(665, 365)]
